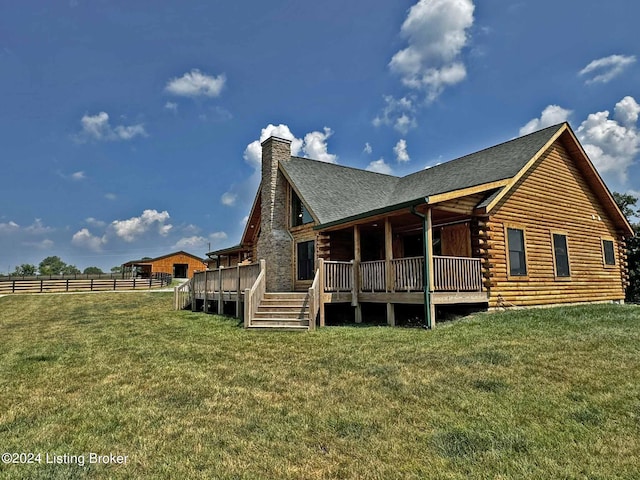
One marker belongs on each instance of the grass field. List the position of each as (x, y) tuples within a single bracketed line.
[(536, 394)]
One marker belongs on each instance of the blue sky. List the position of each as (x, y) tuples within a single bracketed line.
[(129, 129)]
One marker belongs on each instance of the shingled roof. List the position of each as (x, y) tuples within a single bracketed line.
[(321, 184)]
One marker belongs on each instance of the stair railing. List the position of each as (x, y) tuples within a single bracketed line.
[(314, 300), (254, 295)]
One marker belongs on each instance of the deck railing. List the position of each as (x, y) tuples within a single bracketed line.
[(182, 295), (373, 276), (314, 300), (338, 276), (451, 274), (456, 274), (254, 295), (408, 274), (211, 284)]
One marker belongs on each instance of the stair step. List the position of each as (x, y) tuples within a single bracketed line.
[(285, 295), (288, 315), (282, 301), (282, 306), (279, 323)]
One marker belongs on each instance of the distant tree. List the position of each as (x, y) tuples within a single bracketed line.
[(116, 269), (626, 203), (70, 270), (92, 271), (146, 258), (26, 269), (51, 266)]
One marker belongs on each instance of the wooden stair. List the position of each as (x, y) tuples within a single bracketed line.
[(282, 310)]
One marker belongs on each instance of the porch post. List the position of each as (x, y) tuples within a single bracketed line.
[(205, 307), (428, 262), (220, 306), (427, 253), (238, 288), (355, 288), (390, 274), (321, 286)]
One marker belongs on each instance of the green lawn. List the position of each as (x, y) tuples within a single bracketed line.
[(551, 393)]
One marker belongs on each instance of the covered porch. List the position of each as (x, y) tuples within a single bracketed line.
[(381, 260)]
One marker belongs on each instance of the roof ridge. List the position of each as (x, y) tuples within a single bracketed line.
[(346, 166), (449, 162)]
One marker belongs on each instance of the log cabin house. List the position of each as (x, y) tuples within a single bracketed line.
[(523, 223)]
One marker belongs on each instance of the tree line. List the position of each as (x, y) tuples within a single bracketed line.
[(629, 206), (54, 265)]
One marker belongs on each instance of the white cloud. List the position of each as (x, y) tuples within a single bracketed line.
[(97, 127), (607, 68), (171, 106), (401, 151), (45, 244), (95, 222), (38, 228), (218, 236), (436, 33), (253, 152), (379, 166), (551, 115), (612, 144), (78, 176), (313, 146), (193, 242), (110, 196), (229, 199), (85, 239), (133, 228), (9, 227), (198, 241), (195, 84), (367, 149), (397, 113)]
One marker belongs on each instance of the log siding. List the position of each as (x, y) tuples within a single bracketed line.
[(554, 197)]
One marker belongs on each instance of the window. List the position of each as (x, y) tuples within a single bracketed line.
[(306, 255), (517, 257), (299, 213), (609, 253), (561, 255)]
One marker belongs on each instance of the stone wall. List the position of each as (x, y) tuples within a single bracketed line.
[(275, 243)]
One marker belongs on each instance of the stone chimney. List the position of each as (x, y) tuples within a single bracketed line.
[(275, 243)]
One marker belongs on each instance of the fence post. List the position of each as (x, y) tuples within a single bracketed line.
[(67, 289), (41, 284), (134, 283), (13, 286), (114, 283)]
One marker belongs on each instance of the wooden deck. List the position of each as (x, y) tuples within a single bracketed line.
[(456, 280)]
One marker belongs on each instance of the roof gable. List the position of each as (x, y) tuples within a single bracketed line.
[(332, 192)]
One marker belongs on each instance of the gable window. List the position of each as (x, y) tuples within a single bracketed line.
[(299, 213), (608, 252), (517, 255), (561, 255)]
